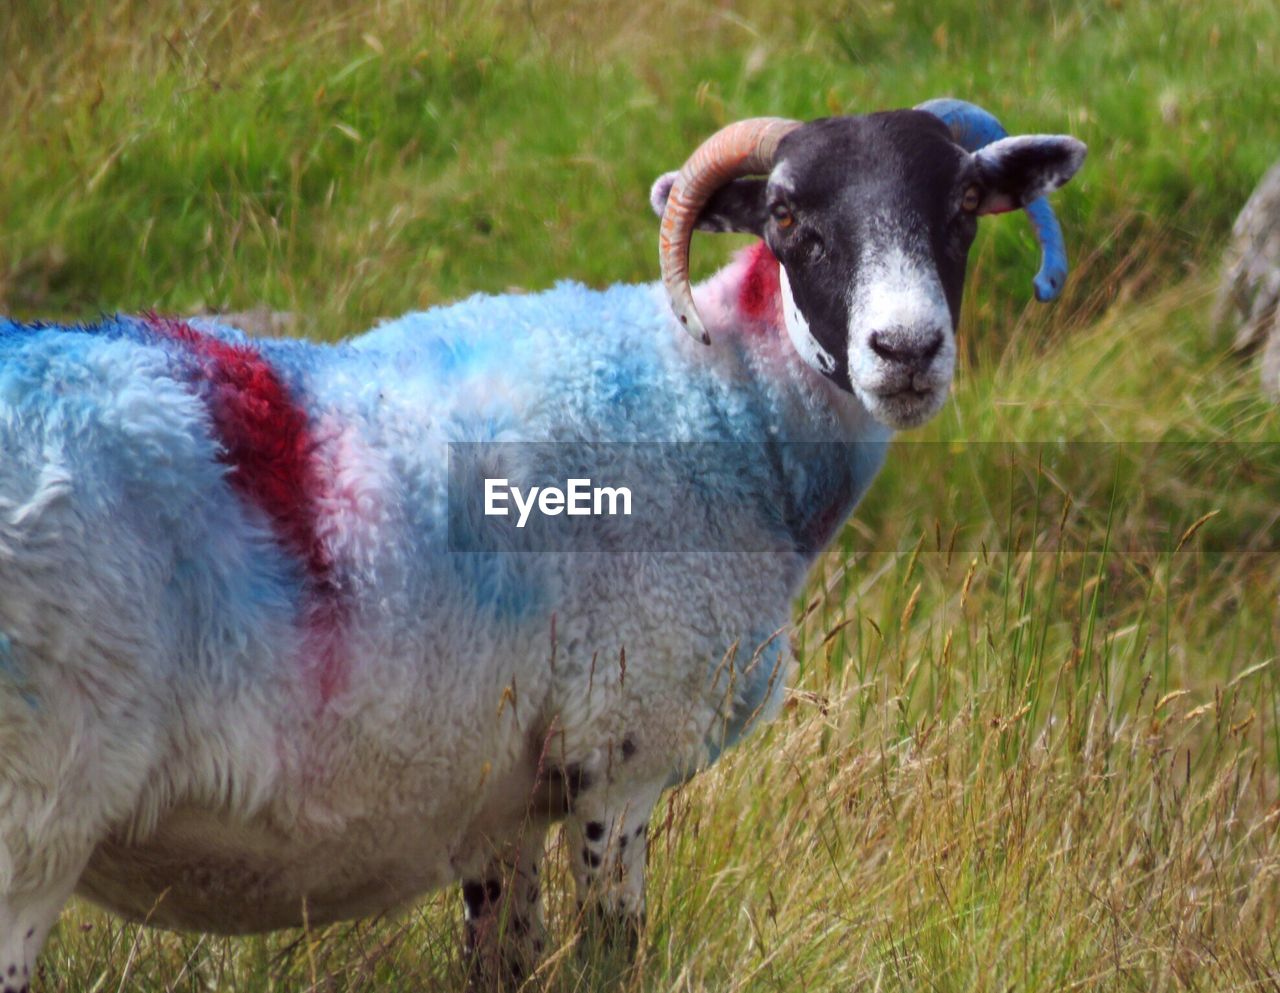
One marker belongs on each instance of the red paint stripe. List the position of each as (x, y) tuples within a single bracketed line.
[(760, 295), (269, 448), (264, 436)]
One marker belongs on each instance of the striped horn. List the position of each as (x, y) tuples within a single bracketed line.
[(746, 148)]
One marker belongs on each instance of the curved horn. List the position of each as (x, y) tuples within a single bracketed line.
[(974, 128), (746, 148)]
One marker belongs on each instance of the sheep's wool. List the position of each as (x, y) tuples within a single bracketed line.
[(240, 660)]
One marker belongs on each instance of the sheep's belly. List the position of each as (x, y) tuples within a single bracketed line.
[(194, 873)]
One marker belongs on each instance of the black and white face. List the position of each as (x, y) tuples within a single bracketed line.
[(872, 218)]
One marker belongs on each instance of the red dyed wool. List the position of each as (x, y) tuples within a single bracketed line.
[(268, 446), (760, 296)]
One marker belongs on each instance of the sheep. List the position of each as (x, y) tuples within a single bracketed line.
[(264, 654), (1248, 299)]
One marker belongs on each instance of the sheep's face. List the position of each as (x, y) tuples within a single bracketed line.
[(871, 219)]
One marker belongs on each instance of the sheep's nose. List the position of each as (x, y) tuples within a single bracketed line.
[(906, 347)]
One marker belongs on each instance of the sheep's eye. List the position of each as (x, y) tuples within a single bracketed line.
[(782, 215), (972, 198)]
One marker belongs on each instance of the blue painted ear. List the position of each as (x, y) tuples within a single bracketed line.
[(1020, 171)]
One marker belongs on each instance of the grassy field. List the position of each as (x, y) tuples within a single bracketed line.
[(1035, 739)]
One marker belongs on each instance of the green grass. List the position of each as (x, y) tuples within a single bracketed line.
[(1035, 742)]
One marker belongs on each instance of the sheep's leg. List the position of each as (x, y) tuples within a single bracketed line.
[(608, 839), (25, 921), (505, 934)]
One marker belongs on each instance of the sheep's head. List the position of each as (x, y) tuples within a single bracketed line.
[(871, 218)]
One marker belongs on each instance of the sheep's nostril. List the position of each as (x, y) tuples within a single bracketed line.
[(887, 347), (906, 348)]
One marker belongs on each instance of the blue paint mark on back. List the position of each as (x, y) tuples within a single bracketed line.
[(117, 326)]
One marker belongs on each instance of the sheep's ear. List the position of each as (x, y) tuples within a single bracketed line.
[(1014, 171), (737, 206)]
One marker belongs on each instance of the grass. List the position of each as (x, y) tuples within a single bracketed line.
[(1035, 741)]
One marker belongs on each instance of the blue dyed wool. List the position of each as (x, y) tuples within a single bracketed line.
[(383, 723)]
